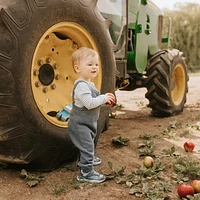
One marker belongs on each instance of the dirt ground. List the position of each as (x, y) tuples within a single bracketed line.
[(131, 121)]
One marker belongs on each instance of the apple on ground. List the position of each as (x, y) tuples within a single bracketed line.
[(148, 161), (184, 190), (189, 146), (196, 185)]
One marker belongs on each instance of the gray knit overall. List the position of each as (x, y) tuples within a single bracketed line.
[(82, 128)]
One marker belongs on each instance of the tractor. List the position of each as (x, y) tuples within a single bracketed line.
[(37, 39)]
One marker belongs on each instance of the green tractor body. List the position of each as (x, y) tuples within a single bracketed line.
[(37, 40), (137, 31)]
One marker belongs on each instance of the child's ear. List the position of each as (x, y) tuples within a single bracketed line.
[(76, 67)]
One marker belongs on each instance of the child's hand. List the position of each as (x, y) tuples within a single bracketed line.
[(111, 98)]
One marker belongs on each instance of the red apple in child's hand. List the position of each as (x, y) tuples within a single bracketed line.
[(189, 146), (111, 101), (184, 190), (196, 185)]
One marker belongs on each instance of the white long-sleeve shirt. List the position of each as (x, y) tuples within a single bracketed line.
[(83, 96)]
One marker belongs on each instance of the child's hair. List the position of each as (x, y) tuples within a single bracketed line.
[(81, 53)]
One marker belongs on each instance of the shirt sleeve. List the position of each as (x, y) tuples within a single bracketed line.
[(83, 95)]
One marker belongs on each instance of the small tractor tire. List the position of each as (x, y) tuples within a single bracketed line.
[(37, 40), (167, 83)]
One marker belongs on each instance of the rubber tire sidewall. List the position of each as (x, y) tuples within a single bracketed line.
[(42, 18), (160, 72)]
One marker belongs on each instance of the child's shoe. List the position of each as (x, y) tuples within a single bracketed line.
[(97, 161), (91, 177)]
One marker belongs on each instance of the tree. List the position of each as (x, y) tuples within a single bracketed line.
[(186, 31)]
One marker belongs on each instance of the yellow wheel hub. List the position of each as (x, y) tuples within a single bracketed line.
[(178, 84), (52, 74)]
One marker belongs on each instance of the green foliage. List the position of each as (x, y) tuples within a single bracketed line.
[(155, 191), (148, 173), (195, 197), (57, 189), (147, 148), (31, 179), (115, 173), (75, 184), (174, 124), (146, 144), (143, 182), (186, 31), (186, 169), (173, 131), (120, 141), (169, 152)]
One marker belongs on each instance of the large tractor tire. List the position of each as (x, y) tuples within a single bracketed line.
[(37, 40), (167, 83)]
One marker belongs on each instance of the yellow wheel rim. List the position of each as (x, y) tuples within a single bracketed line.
[(52, 74), (178, 84)]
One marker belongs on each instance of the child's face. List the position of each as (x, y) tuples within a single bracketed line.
[(88, 68)]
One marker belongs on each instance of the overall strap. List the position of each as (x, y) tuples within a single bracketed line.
[(77, 82)]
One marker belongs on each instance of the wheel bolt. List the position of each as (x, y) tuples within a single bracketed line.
[(37, 84), (57, 77), (48, 60), (40, 62), (35, 72), (55, 66), (45, 89), (53, 86)]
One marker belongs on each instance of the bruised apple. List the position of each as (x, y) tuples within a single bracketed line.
[(189, 146), (148, 161), (184, 190), (196, 185)]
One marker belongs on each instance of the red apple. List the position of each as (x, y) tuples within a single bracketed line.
[(196, 185), (189, 146), (111, 102), (184, 190)]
